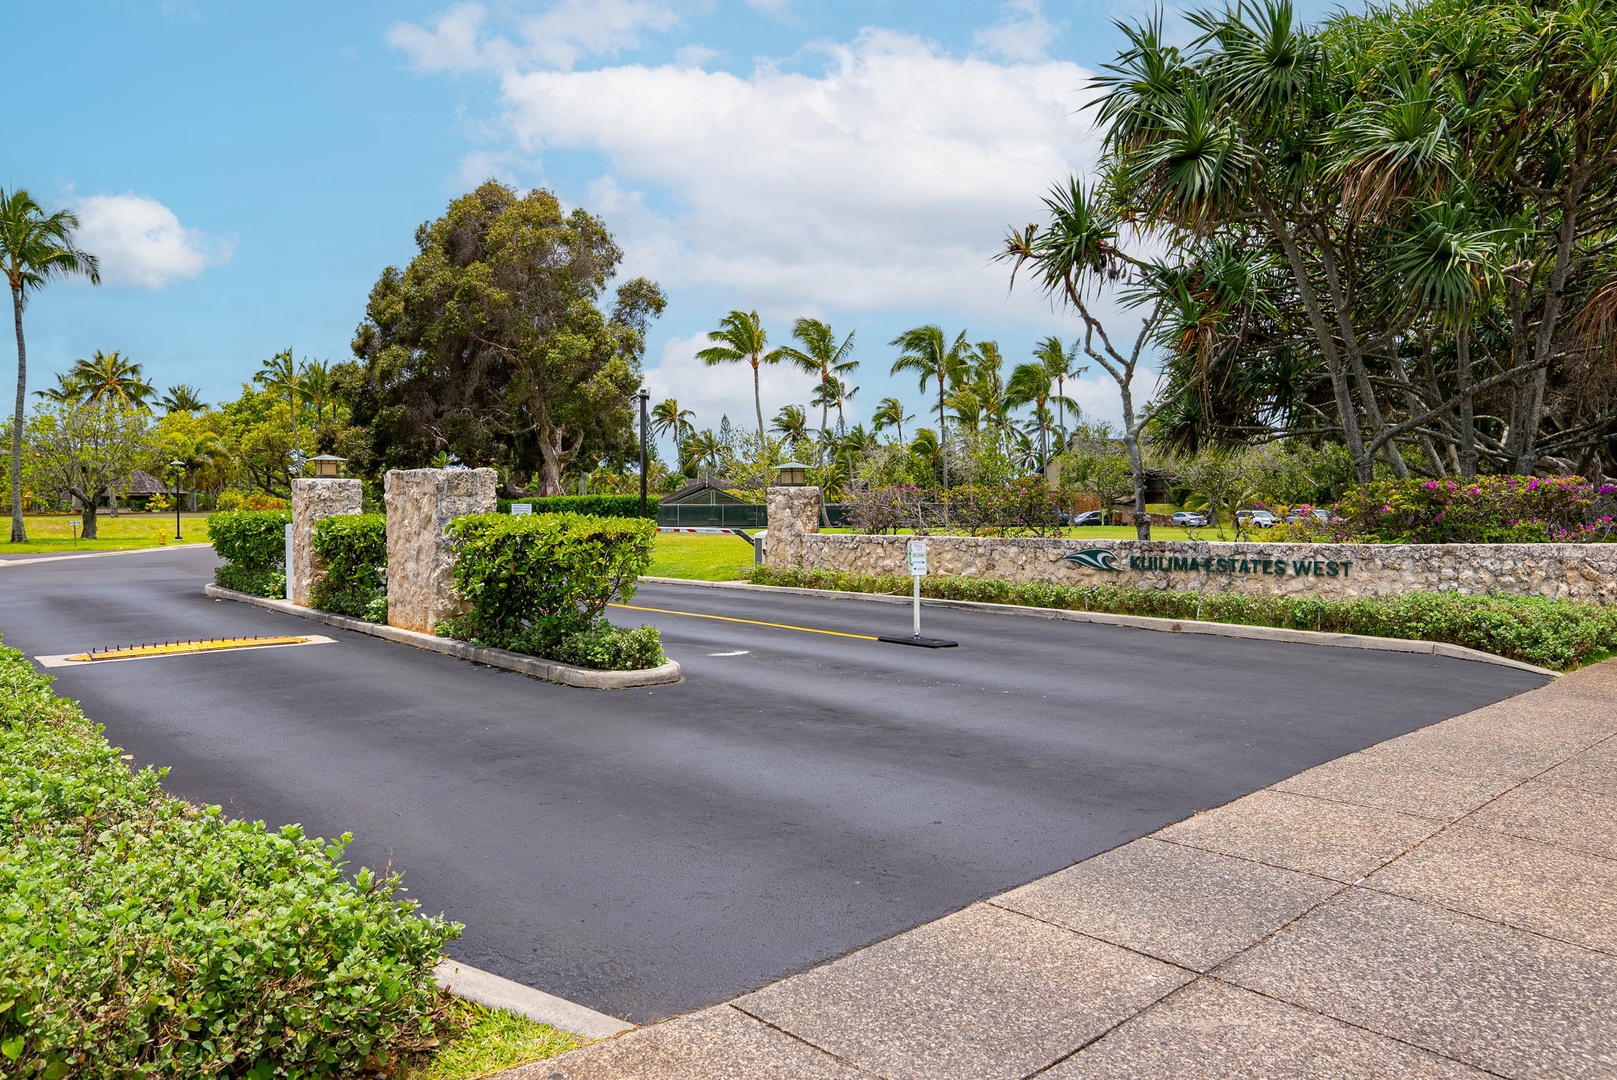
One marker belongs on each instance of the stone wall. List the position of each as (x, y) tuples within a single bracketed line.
[(1327, 571), (420, 563), (312, 500)]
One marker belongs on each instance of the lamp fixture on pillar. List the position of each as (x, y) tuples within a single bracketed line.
[(327, 465), (791, 474)]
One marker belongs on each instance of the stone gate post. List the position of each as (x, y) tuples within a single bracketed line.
[(312, 500), (793, 511), (420, 565)]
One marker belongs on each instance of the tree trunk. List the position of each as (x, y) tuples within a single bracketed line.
[(757, 401), (19, 533), (1468, 424), (1131, 441), (88, 532)]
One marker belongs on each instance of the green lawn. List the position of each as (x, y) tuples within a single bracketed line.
[(479, 1042), (701, 557), (51, 533)]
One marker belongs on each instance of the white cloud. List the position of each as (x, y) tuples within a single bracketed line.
[(558, 37), (1024, 34), (139, 241), (886, 181)]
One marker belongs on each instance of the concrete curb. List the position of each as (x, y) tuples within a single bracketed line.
[(1146, 622), (494, 992), (548, 670)]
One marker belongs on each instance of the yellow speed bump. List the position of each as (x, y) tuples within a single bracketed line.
[(179, 648)]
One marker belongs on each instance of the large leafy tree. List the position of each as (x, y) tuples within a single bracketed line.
[(493, 343), (741, 338), (34, 247), (89, 451)]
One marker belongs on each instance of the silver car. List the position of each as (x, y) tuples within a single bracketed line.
[(1189, 519)]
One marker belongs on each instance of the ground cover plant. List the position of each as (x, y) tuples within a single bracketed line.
[(144, 936), (478, 1042), (354, 550), (253, 545), (539, 584), (1556, 634)]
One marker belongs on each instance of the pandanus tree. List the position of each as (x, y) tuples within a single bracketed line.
[(34, 248), (740, 338)]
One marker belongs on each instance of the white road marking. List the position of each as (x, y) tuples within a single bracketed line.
[(738, 652)]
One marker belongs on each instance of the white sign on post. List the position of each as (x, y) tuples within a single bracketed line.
[(519, 509), (917, 555)]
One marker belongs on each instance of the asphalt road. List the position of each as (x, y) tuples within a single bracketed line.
[(646, 852)]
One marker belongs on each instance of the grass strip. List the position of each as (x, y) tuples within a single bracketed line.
[(1556, 634)]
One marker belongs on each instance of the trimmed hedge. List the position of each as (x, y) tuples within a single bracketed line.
[(253, 545), (1557, 634), (539, 585), (144, 936), (617, 506), (354, 548)]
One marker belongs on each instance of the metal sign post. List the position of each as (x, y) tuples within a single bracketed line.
[(915, 553)]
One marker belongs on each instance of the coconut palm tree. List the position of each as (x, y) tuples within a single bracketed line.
[(112, 378), (315, 377), (702, 451), (67, 391), (670, 421), (740, 337), (34, 247), (280, 375), (182, 397), (820, 356), (1061, 362), (930, 355), (791, 424), (890, 413)]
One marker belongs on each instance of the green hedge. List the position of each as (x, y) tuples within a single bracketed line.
[(253, 545), (592, 505), (354, 548), (144, 936), (1557, 634), (540, 584)]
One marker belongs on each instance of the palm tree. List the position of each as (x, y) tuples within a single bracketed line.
[(112, 378), (820, 356), (1030, 385), (182, 397), (668, 419), (67, 391), (791, 424), (315, 375), (34, 247), (890, 413), (701, 450), (926, 352), (1062, 364), (279, 375), (741, 336)]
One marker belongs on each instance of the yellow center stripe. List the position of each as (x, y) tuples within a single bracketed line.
[(750, 622)]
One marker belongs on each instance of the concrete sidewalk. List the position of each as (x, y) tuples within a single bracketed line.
[(1443, 904)]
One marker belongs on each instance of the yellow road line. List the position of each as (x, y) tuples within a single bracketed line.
[(750, 622)]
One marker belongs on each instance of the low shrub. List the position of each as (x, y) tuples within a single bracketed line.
[(623, 506), (144, 936), (1022, 507), (540, 585), (354, 549), (251, 500), (253, 543), (1484, 510), (1557, 634)]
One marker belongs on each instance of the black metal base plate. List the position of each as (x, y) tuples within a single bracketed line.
[(921, 642)]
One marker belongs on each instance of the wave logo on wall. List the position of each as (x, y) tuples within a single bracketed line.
[(1094, 558)]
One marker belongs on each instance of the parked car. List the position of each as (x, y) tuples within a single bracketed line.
[(1088, 517), (1189, 519), (1261, 519), (1318, 513)]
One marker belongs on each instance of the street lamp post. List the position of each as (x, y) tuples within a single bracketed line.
[(643, 396), (178, 467)]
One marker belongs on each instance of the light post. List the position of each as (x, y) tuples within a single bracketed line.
[(179, 471), (327, 465), (643, 396)]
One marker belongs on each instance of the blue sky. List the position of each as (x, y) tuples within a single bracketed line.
[(246, 170)]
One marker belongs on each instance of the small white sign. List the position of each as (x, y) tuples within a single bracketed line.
[(521, 508), (916, 550)]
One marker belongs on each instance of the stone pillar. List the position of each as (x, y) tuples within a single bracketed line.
[(793, 512), (420, 565), (312, 500)]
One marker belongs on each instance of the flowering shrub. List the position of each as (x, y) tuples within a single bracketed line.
[(1024, 507), (1485, 510), (880, 510)]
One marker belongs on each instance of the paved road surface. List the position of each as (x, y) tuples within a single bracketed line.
[(647, 852)]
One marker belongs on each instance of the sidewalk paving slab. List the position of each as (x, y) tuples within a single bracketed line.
[(1323, 837), (1595, 769), (1571, 817), (1182, 905), (1213, 1029), (1488, 995), (984, 992)]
